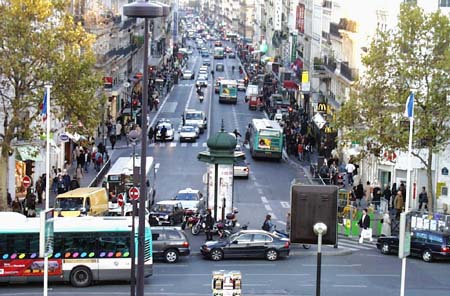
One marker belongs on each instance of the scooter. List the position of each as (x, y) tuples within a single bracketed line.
[(201, 98)]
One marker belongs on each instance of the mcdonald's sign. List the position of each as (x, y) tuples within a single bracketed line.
[(321, 107), (329, 130)]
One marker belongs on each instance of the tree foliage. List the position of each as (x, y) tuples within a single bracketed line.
[(414, 56), (40, 44)]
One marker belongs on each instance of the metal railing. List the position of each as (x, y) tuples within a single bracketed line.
[(101, 174)]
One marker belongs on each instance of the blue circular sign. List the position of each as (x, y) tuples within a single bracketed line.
[(64, 138)]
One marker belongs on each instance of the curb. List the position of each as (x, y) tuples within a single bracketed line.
[(298, 252)]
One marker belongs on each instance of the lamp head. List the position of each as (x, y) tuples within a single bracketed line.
[(143, 9), (320, 228)]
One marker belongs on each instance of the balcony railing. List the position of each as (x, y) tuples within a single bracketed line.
[(349, 73), (331, 65)]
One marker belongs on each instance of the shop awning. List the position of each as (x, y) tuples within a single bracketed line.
[(289, 84), (29, 153)]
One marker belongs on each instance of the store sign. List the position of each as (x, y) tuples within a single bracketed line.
[(107, 82), (294, 48), (300, 18), (225, 190), (305, 82), (322, 107)]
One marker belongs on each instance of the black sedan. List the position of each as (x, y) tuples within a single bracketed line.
[(426, 244), (247, 244), (166, 212)]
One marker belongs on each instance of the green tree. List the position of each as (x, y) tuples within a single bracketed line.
[(40, 44), (413, 56)]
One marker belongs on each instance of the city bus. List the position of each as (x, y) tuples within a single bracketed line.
[(228, 91), (85, 250), (119, 179), (218, 53), (266, 139)]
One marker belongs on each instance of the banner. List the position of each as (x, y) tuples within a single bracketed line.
[(29, 267)]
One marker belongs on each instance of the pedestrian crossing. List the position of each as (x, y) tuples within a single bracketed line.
[(353, 244)]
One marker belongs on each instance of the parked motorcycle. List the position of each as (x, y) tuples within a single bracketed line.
[(224, 231), (190, 218)]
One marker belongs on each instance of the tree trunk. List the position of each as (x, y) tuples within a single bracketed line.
[(3, 181), (430, 190)]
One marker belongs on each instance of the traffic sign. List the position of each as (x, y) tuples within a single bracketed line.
[(26, 181), (64, 138), (120, 199), (134, 193)]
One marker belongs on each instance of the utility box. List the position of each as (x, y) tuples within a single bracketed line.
[(311, 204)]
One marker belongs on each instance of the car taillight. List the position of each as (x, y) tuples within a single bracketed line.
[(445, 249), (286, 245), (185, 245)]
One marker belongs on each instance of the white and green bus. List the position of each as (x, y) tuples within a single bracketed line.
[(266, 139), (218, 53), (86, 250), (228, 91)]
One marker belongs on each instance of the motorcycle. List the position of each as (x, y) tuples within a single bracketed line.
[(201, 226), (190, 218), (224, 231)]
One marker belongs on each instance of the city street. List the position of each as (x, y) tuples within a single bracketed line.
[(363, 268)]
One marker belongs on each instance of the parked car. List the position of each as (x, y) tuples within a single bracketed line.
[(188, 74), (220, 67), (189, 133), (241, 169), (166, 212), (427, 244), (169, 243), (191, 199), (247, 243), (170, 134)]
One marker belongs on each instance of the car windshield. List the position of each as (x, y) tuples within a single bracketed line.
[(69, 204), (187, 129), (187, 72), (186, 196), (196, 116), (162, 208), (166, 124)]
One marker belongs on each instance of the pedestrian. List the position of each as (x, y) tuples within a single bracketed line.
[(163, 133), (333, 173), (87, 159), (66, 179), (209, 224), (236, 133), (74, 183), (423, 199), (8, 198), (359, 193), (288, 224), (364, 224), (300, 151), (112, 139), (393, 193), (398, 204), (350, 168), (387, 195), (268, 225), (155, 133), (150, 134), (79, 173), (39, 189), (386, 224), (60, 185), (30, 204), (118, 130), (16, 205)]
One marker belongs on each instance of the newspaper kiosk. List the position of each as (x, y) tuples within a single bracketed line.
[(226, 283)]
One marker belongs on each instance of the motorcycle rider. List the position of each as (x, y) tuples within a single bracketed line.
[(209, 224)]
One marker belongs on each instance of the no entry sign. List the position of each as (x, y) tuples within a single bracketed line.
[(134, 193), (26, 181)]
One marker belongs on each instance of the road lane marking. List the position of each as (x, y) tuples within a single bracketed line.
[(173, 144), (161, 107), (349, 286), (281, 222), (333, 265), (194, 144), (285, 204), (263, 199), (183, 144), (162, 144), (367, 275), (204, 144), (245, 264), (152, 145), (268, 208), (256, 184), (349, 244), (189, 98), (260, 191)]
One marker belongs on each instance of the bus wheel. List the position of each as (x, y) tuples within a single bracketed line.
[(81, 277)]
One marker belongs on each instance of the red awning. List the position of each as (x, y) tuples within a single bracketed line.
[(289, 84)]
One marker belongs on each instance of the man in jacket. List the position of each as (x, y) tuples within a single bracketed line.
[(364, 224), (423, 199), (209, 224)]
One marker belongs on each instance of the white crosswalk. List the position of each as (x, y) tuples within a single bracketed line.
[(352, 243), (177, 144)]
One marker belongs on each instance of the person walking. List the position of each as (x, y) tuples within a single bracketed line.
[(350, 168), (288, 224), (364, 224), (209, 224), (39, 189), (386, 225), (398, 204), (16, 205), (112, 139), (150, 134), (387, 195), (268, 225), (423, 199)]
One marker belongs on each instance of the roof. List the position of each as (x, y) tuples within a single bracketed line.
[(168, 202), (124, 165), (80, 191), (189, 190), (228, 82), (265, 124), (64, 224), (192, 111)]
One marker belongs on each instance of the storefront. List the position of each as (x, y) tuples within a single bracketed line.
[(27, 157)]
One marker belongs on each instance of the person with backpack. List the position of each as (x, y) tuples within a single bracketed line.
[(268, 225)]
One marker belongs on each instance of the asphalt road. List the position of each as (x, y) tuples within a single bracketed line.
[(365, 271)]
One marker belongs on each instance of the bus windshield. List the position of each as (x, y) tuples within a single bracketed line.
[(70, 203)]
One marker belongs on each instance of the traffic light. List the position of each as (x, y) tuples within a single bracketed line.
[(29, 168)]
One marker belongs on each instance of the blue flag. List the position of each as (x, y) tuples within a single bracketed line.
[(409, 108), (44, 107)]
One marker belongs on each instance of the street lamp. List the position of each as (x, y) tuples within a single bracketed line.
[(144, 10), (320, 229), (133, 136)]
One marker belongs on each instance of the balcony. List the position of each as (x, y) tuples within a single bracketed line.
[(115, 53), (330, 64), (350, 74)]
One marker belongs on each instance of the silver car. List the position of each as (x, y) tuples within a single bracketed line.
[(188, 133)]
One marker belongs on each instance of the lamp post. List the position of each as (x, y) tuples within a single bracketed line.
[(320, 229), (133, 136), (144, 10)]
